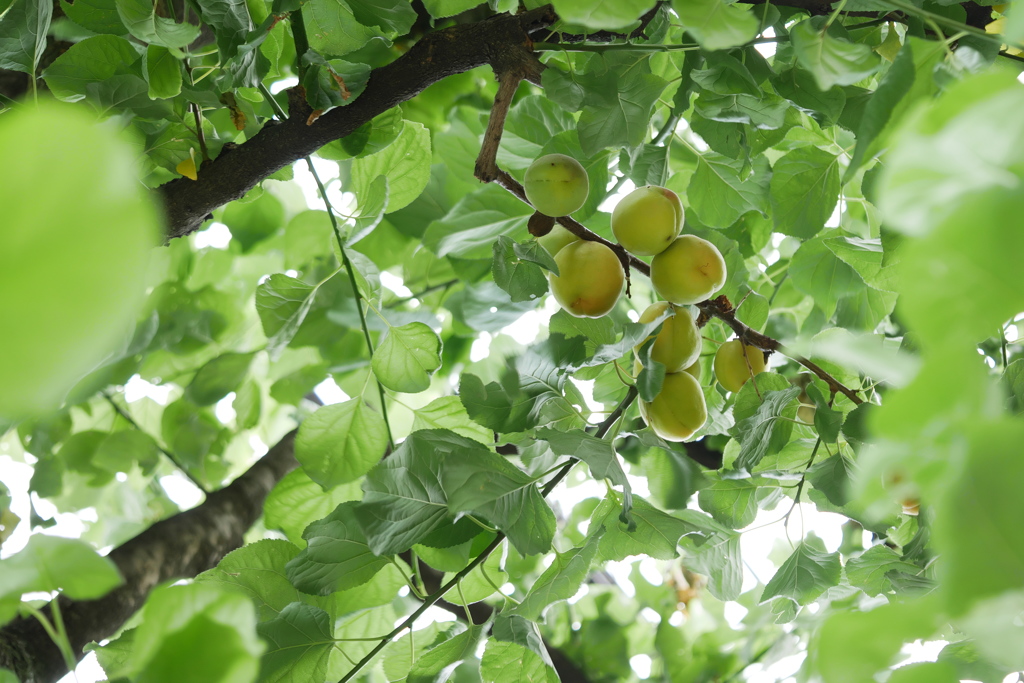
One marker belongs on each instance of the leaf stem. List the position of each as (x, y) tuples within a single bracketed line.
[(168, 454), (344, 261), (573, 47)]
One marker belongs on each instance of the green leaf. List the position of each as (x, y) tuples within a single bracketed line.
[(879, 635), (230, 22), (49, 563), (407, 358), (439, 9), (337, 556), (70, 263), (805, 575), (99, 16), (601, 14), (1013, 381), (522, 279), (341, 442), (832, 477), (720, 194), (142, 21), (734, 502), (196, 631), (600, 457), (715, 24), (975, 528), (92, 60), (492, 407), (656, 533), (868, 570), (713, 550), (816, 271), (332, 82), (621, 92), (480, 583), (283, 302), (297, 501), (756, 432), (447, 412), (119, 450), (804, 191), (163, 72), (373, 204), (560, 580), (828, 422), (340, 27), (218, 378), (437, 664), (23, 30), (299, 644), (632, 335), (486, 483), (470, 228), (405, 163), (825, 52), (258, 571), (505, 662), (601, 330), (403, 497)]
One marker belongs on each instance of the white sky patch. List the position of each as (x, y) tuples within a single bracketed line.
[(217, 236), (394, 283), (651, 572), (181, 491), (734, 613), (481, 347), (609, 203), (87, 671), (259, 449), (580, 594), (526, 328), (328, 171), (620, 571), (1011, 333), (641, 666), (283, 85), (921, 651), (225, 410), (779, 672), (586, 389), (329, 392), (138, 388), (433, 614), (767, 49), (650, 616)]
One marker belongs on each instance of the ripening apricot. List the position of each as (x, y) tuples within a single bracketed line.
[(694, 370), (678, 411), (678, 343), (647, 220), (689, 271), (557, 238), (731, 367), (590, 279), (556, 185)]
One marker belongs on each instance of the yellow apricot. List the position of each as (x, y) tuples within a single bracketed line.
[(647, 220), (678, 411), (590, 279), (735, 363), (556, 185), (678, 343), (557, 238), (690, 270), (694, 370)]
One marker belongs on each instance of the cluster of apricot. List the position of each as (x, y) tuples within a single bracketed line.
[(685, 269)]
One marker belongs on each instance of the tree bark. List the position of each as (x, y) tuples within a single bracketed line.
[(181, 546), (499, 41)]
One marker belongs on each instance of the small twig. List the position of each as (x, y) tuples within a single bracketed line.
[(170, 456), (486, 162), (426, 290)]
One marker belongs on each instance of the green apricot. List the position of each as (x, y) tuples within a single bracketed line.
[(679, 410), (731, 367), (689, 271), (557, 238), (678, 344), (647, 220), (556, 185), (590, 279)]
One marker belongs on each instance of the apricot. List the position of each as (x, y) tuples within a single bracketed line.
[(678, 343), (690, 270), (556, 185), (694, 370), (731, 364), (557, 238), (678, 411), (590, 279), (647, 220)]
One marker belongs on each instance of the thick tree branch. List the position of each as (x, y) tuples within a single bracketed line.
[(500, 41), (178, 547)]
